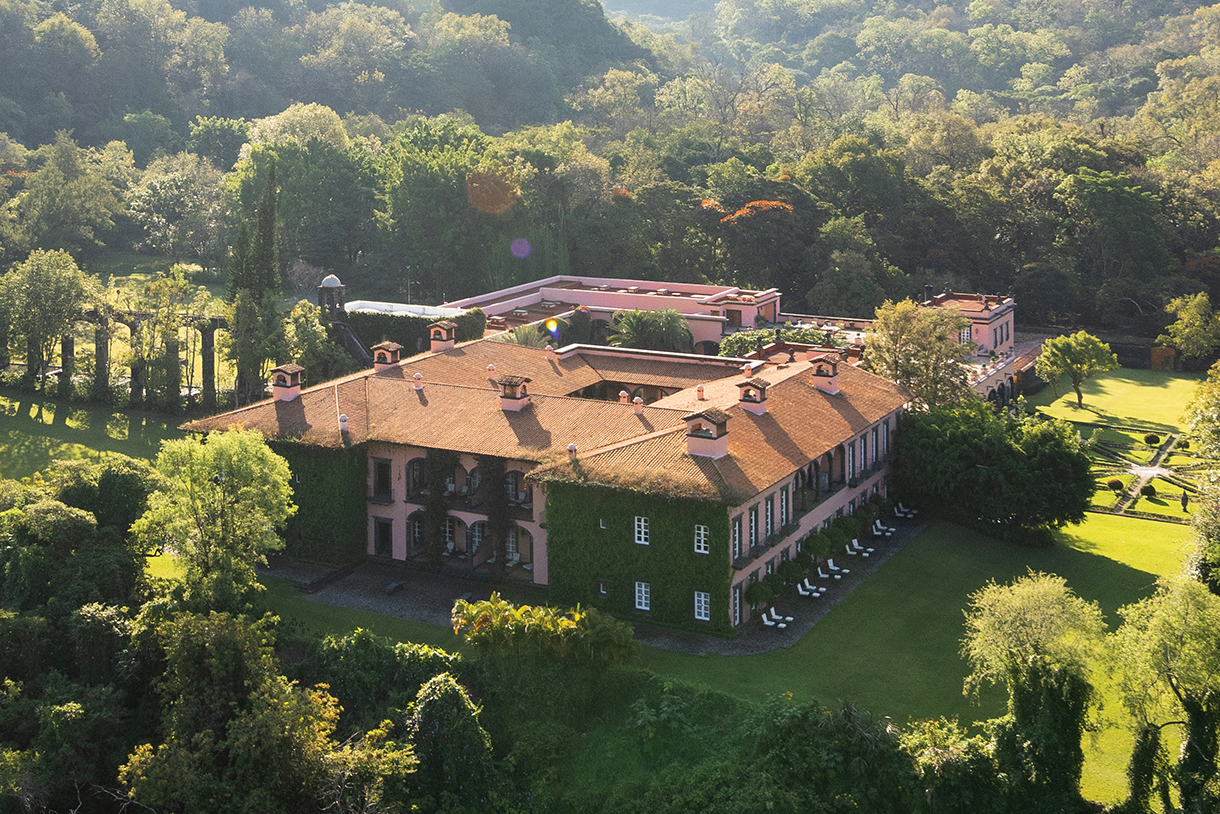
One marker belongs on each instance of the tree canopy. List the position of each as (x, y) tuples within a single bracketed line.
[(224, 500), (1079, 356), (919, 348)]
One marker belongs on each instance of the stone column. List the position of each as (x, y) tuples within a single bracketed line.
[(173, 373), (207, 361), (67, 364), (137, 371), (100, 390)]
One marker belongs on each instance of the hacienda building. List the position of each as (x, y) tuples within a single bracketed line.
[(663, 506)]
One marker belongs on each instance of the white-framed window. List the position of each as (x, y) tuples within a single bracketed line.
[(964, 336), (769, 516), (474, 536), (450, 530), (863, 452), (736, 536), (737, 604), (885, 437), (703, 606), (511, 546), (754, 525), (643, 596), (876, 455), (851, 459), (701, 543), (783, 505), (641, 530)]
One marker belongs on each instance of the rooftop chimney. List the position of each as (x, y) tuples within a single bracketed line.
[(826, 373), (386, 355), (699, 393), (419, 381), (747, 369), (513, 392), (443, 334), (571, 452), (623, 397), (550, 352), (286, 382), (707, 433), (343, 422), (752, 395), (639, 405)]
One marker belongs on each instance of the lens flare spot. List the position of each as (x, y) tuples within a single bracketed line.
[(552, 327), (521, 248)]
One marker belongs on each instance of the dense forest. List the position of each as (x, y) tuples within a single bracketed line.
[(1066, 152)]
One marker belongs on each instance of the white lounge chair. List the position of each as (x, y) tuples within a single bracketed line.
[(831, 564), (824, 575), (849, 551), (809, 586), (881, 530), (771, 623), (800, 589), (865, 550), (775, 615), (906, 511)]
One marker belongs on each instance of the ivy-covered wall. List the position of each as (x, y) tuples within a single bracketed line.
[(580, 554), (411, 331), (330, 488)]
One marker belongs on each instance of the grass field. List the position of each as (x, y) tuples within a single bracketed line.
[(37, 431), (1146, 399), (892, 646)]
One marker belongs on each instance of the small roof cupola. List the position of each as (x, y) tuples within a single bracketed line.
[(752, 395), (514, 394), (332, 297), (825, 371), (386, 355), (286, 382), (443, 334), (707, 433)]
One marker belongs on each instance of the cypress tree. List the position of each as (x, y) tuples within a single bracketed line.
[(239, 265), (264, 260)]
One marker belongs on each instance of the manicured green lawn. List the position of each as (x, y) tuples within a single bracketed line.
[(892, 645), (37, 431), (1151, 399), (1168, 501)]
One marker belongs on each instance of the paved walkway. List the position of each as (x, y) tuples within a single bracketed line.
[(428, 597)]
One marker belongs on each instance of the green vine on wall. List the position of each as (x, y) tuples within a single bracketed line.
[(439, 466), (492, 472), (329, 487), (581, 555)]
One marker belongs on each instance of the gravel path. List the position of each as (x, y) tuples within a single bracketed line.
[(396, 590)]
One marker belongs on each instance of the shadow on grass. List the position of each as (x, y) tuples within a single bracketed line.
[(39, 430)]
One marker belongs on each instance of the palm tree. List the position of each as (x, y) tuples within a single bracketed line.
[(652, 330)]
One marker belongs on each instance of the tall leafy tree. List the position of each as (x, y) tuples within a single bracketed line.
[(919, 348), (225, 499), (43, 297), (1196, 331), (1037, 639), (1079, 356), (1167, 657)]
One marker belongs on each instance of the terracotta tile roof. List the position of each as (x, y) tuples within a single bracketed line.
[(458, 408), (801, 424), (445, 416)]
